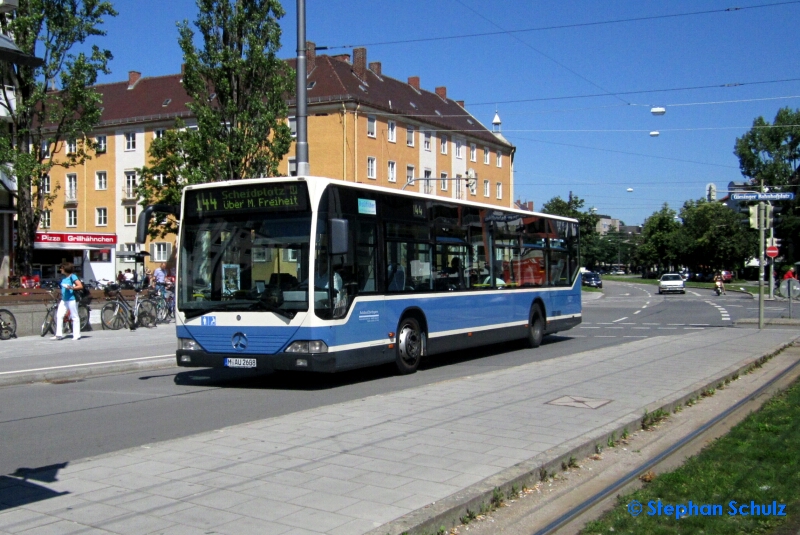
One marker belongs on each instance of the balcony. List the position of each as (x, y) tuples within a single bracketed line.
[(70, 197), (129, 195)]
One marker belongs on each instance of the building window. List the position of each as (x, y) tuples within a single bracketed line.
[(72, 217), (292, 167), (499, 190), (72, 146), (459, 149), (428, 183), (72, 188), (158, 133), (130, 215), (486, 155), (100, 143), (161, 251), (44, 219), (130, 185), (409, 173), (473, 152), (410, 136), (100, 180), (102, 217), (391, 172), (45, 148), (426, 142), (391, 133), (371, 167), (371, 126), (293, 126), (444, 144), (486, 188), (130, 140), (45, 185), (499, 159), (443, 186), (459, 186), (161, 178)]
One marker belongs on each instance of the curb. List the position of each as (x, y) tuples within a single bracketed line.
[(83, 371), (769, 321), (447, 512)]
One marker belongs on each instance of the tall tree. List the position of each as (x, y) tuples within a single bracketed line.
[(769, 155), (714, 237), (659, 239), (41, 119), (590, 246), (237, 88)]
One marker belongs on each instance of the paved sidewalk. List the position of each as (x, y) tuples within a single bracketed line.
[(382, 464)]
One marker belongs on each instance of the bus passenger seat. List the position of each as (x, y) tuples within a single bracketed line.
[(397, 278)]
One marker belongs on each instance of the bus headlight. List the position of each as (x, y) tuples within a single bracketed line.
[(188, 344), (307, 346)]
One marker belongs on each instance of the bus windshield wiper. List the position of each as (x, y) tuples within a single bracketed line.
[(263, 305), (194, 312)]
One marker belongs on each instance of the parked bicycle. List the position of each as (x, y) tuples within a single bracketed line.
[(119, 312), (49, 323), (8, 324), (165, 304)]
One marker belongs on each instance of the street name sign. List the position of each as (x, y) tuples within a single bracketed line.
[(788, 196), (772, 251)]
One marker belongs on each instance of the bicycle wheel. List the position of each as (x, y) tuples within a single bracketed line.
[(8, 324), (146, 313), (49, 323), (83, 313), (113, 316), (161, 309)]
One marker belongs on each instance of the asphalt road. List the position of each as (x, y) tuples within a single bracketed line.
[(48, 423)]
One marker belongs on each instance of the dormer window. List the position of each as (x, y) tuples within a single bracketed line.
[(311, 85), (166, 103)]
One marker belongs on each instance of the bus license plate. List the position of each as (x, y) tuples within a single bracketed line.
[(240, 363)]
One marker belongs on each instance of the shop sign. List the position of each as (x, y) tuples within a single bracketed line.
[(76, 238)]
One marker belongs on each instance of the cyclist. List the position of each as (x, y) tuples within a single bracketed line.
[(160, 276), (69, 284)]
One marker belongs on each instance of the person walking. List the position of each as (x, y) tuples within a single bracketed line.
[(69, 284)]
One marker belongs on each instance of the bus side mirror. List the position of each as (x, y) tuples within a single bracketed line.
[(144, 218), (339, 237)]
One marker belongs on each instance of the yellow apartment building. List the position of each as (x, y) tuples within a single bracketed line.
[(363, 126)]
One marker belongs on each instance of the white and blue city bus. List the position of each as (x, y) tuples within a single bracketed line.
[(308, 273)]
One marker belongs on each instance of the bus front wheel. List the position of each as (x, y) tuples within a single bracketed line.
[(409, 345), (536, 328)]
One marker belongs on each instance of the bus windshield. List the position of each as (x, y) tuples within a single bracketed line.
[(244, 260)]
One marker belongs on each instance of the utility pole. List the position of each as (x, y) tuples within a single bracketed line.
[(761, 214), (301, 114)]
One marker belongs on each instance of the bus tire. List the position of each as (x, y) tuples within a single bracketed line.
[(536, 327), (409, 345)]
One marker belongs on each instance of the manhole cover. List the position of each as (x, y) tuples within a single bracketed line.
[(579, 402)]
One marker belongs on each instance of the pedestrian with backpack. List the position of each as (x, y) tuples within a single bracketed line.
[(71, 289)]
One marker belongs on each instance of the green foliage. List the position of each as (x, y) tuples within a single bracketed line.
[(238, 89), (43, 120), (713, 236), (769, 155), (590, 243), (660, 239)]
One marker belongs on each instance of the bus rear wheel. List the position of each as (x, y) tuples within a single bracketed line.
[(536, 328), (409, 346)]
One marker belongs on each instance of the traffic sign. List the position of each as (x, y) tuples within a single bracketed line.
[(772, 251), (762, 196)]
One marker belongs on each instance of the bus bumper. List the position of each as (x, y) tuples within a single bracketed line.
[(322, 362)]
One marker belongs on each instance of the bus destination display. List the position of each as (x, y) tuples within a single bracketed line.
[(261, 198)]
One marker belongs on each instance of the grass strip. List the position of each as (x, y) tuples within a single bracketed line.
[(757, 461)]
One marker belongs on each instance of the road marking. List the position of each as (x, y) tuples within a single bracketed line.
[(641, 328), (615, 321), (626, 323), (172, 355), (604, 336), (637, 311), (651, 324), (695, 293), (678, 324), (604, 323), (634, 336), (700, 324), (694, 328), (668, 328), (583, 327)]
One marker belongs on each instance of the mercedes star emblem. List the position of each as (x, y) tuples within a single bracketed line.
[(239, 341)]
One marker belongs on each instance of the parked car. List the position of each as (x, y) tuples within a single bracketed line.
[(671, 282), (619, 272), (591, 279), (727, 276)]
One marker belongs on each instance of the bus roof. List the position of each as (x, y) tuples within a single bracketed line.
[(378, 189)]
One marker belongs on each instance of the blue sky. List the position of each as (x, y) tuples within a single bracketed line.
[(596, 147)]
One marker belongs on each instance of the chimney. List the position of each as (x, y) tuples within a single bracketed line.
[(183, 69), (375, 67), (342, 57), (360, 62), (442, 92), (133, 77), (413, 81), (311, 57), (460, 103)]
